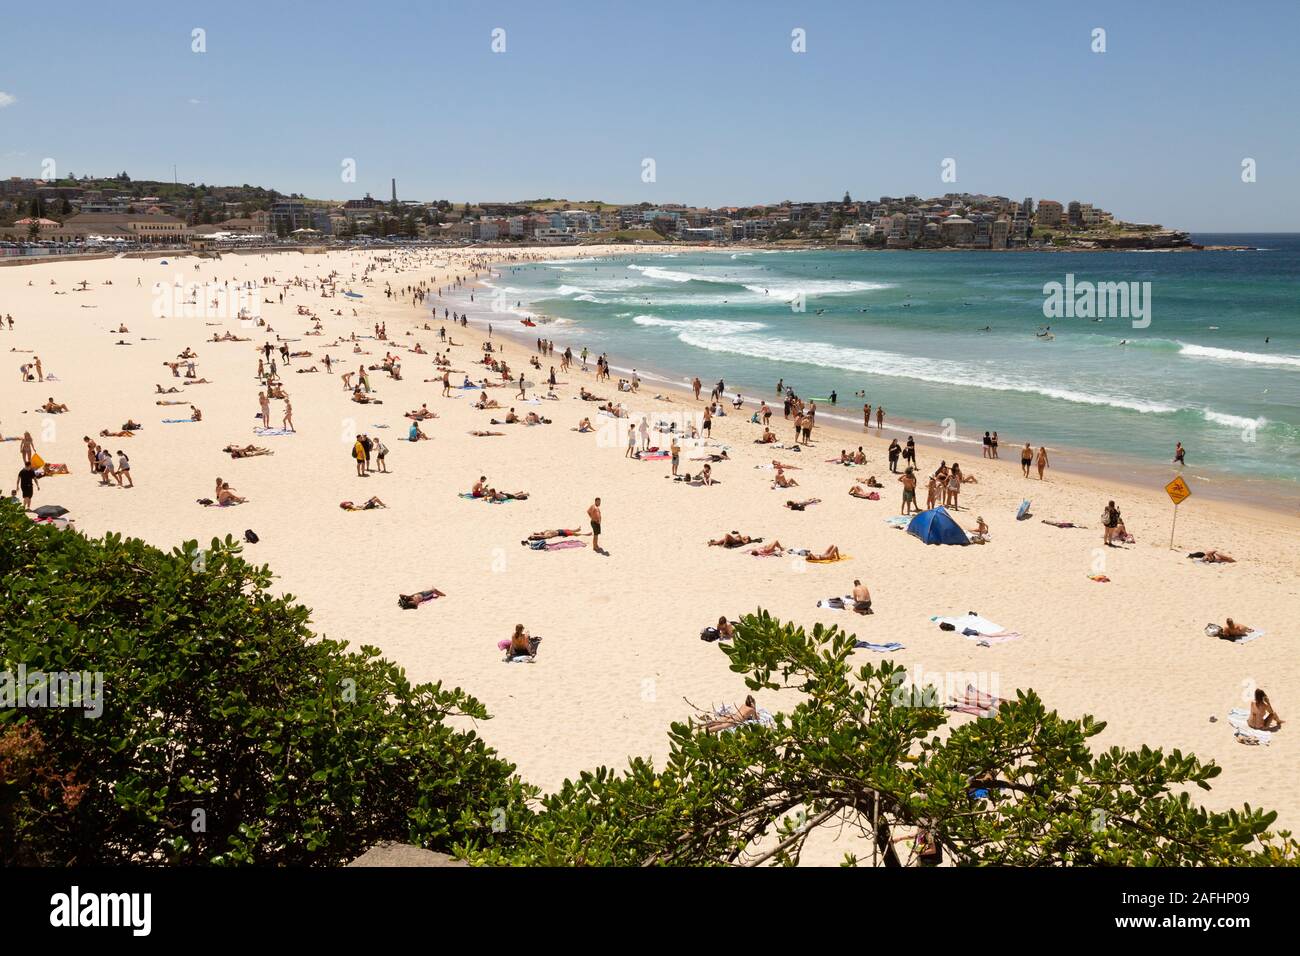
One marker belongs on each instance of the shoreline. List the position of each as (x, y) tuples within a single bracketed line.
[(1275, 497)]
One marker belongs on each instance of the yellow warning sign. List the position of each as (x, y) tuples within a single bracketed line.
[(1178, 491)]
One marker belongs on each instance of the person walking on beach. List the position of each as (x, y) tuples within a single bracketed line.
[(1180, 453), (1042, 461), (593, 513), (123, 470), (1026, 458), (27, 477), (287, 421), (894, 451), (631, 442)]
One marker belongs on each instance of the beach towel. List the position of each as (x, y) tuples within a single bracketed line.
[(981, 630), (843, 557), (654, 456), (37, 461), (563, 545), (271, 432), (845, 603), (1246, 639), (177, 421), (899, 521), (764, 718), (881, 648), (491, 501), (1239, 719)]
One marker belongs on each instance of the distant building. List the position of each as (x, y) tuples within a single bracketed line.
[(1074, 214), (1049, 213)]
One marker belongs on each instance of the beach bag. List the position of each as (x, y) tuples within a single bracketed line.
[(250, 536), (710, 634), (1213, 630), (945, 626)]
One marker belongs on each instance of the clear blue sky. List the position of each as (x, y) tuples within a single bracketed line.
[(1154, 129)]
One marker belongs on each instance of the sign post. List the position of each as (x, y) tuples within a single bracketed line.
[(1178, 493)]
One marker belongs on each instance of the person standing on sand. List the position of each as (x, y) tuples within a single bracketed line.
[(880, 418), (676, 451), (287, 421), (708, 422), (631, 441), (1026, 458), (359, 455), (866, 416), (1042, 461), (894, 451), (696, 385), (40, 372), (908, 481), (593, 513), (264, 400), (644, 429), (993, 444)]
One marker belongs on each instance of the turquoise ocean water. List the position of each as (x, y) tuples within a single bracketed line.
[(909, 329)]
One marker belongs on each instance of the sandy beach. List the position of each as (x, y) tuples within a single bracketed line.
[(621, 656)]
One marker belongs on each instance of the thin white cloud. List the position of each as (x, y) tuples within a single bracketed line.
[(7, 99), (194, 102)]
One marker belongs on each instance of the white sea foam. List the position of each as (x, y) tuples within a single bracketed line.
[(917, 368), (705, 326), (1232, 355), (1234, 421)]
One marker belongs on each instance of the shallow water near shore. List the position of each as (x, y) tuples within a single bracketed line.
[(952, 343)]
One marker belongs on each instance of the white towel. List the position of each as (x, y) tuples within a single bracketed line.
[(1239, 718)]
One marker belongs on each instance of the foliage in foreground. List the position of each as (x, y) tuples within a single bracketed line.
[(860, 751), (229, 733)]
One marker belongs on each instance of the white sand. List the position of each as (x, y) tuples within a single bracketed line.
[(621, 649)]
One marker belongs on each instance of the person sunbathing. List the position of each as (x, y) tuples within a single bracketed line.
[(485, 402), (368, 506), (746, 713), (768, 438), (226, 496), (783, 481), (773, 550), (534, 419), (105, 433), (522, 644), (830, 554), (246, 451), (733, 539), (1262, 714), (131, 425), (159, 390), (802, 505), (495, 495), (478, 434), (421, 414), (54, 408), (1214, 557), (981, 533), (1232, 630), (857, 491), (557, 533), (361, 398), (409, 601), (587, 396), (859, 457)]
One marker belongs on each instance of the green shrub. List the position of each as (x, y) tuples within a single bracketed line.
[(229, 732)]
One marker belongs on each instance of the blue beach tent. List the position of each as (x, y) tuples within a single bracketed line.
[(937, 527)]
